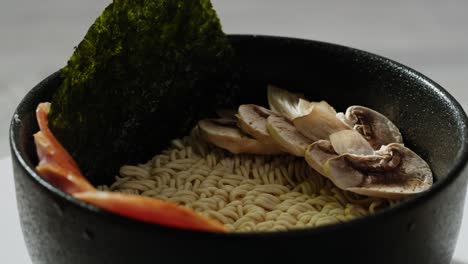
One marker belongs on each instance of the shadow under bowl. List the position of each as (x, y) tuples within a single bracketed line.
[(60, 229)]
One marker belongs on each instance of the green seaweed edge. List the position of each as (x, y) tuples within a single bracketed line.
[(143, 74)]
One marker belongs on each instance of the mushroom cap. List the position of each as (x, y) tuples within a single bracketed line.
[(388, 191), (374, 126), (225, 134), (287, 136)]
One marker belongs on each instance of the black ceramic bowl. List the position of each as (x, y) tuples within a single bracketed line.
[(60, 229)]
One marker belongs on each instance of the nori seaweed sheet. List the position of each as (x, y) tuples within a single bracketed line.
[(145, 72)]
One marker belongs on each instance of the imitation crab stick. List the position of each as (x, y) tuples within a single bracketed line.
[(58, 167), (150, 210), (55, 163)]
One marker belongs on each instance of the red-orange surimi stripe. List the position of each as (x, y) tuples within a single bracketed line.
[(151, 210)]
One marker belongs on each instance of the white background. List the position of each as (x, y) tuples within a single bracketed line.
[(37, 38)]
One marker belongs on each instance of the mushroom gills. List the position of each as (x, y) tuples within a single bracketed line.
[(393, 172), (287, 136), (225, 134), (374, 126)]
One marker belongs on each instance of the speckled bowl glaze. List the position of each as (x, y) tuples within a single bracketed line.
[(59, 229)]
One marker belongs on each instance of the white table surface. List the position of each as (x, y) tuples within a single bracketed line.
[(13, 249)]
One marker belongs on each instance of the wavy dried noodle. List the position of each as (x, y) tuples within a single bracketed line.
[(245, 192)]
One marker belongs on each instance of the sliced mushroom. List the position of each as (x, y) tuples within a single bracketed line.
[(342, 117), (393, 172), (340, 173), (225, 134), (286, 103), (320, 122), (350, 141), (374, 126), (252, 119), (287, 136), (324, 106), (342, 142), (318, 153)]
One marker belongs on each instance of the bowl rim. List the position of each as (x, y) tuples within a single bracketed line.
[(461, 159)]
